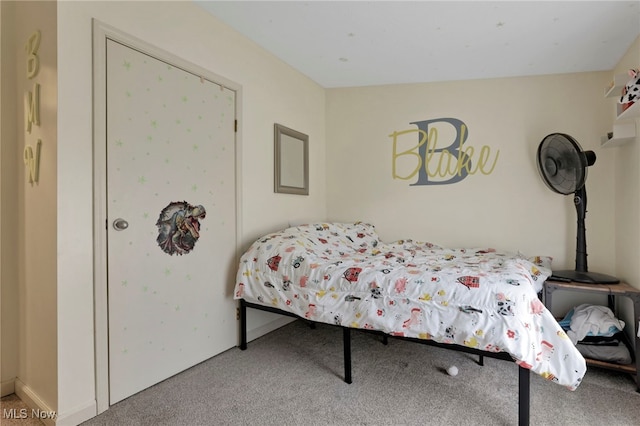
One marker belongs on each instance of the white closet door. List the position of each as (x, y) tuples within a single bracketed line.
[(171, 207)]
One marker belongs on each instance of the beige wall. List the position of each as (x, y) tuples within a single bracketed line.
[(627, 182), (272, 92), (32, 233), (627, 201), (37, 299), (8, 201), (510, 208)]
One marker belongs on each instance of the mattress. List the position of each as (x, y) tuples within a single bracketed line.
[(343, 274)]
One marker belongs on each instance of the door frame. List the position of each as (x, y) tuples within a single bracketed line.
[(101, 33)]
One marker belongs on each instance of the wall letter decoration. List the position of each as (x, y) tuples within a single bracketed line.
[(32, 162), (33, 61), (32, 108), (435, 163)]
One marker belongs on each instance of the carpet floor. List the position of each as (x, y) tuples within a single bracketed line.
[(293, 376)]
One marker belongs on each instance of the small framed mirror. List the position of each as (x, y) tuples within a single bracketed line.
[(291, 161)]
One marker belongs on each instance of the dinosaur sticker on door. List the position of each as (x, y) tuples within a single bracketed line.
[(179, 227)]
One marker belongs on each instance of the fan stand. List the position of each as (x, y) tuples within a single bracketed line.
[(581, 273)]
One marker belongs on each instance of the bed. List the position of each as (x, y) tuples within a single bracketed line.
[(477, 300)]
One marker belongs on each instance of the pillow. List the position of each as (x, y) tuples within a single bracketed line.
[(343, 237)]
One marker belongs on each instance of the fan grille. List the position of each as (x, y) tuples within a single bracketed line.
[(561, 163)]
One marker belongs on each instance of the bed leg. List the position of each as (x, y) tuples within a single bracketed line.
[(524, 379), (242, 315), (481, 360), (346, 339)]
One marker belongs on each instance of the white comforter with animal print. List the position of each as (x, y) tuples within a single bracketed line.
[(341, 273)]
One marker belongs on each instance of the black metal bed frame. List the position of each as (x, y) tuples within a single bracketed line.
[(523, 373)]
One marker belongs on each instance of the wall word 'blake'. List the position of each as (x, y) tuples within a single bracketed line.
[(437, 163)]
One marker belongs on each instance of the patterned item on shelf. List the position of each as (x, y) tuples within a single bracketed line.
[(631, 90)]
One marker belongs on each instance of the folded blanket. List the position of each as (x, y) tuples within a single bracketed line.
[(618, 354), (565, 323), (602, 340), (594, 320)]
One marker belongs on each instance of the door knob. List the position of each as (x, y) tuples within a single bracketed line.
[(120, 224)]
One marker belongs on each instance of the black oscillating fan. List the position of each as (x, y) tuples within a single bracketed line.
[(563, 167)]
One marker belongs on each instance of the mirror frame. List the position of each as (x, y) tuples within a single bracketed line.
[(280, 165)]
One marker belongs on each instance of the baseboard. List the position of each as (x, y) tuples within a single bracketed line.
[(268, 327), (7, 387), (37, 406), (77, 415), (49, 417)]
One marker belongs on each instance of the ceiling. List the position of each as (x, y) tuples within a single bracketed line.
[(363, 43)]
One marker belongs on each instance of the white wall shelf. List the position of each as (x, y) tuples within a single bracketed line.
[(624, 127), (614, 88), (632, 111), (622, 134)]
